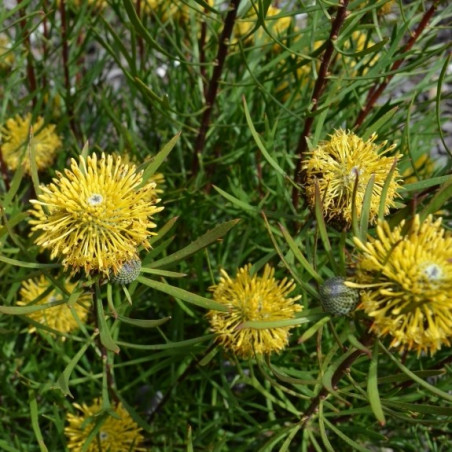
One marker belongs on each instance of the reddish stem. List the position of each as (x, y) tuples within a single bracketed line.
[(319, 88), (212, 89), (31, 77), (376, 91)]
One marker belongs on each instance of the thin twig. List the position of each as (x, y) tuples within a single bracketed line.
[(377, 90), (104, 352), (212, 89), (319, 88), (140, 38), (340, 371), (67, 79)]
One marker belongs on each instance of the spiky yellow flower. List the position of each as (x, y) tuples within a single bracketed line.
[(19, 133), (95, 215), (335, 165), (252, 298), (59, 318), (6, 56), (406, 277), (116, 434)]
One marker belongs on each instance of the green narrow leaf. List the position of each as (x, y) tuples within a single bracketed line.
[(357, 344), (200, 243), (420, 408), (182, 294), (259, 143), (14, 186), (148, 91), (63, 380), (163, 230), (105, 336), (238, 202), (439, 91), (423, 184), (143, 323), (189, 439), (24, 310), (136, 22), (35, 422), (344, 437), (6, 446), (31, 154), (414, 377), (443, 195), (313, 329), (322, 228), (384, 192), (264, 324), (302, 283), (158, 159), (17, 263), (365, 211), (169, 345), (372, 387), (375, 127), (322, 430), (165, 273), (299, 255), (287, 442), (327, 379)]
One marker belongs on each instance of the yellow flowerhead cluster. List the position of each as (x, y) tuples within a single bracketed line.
[(60, 317), (19, 133), (334, 166), (6, 56), (95, 215), (116, 434), (252, 298), (407, 282), (177, 10)]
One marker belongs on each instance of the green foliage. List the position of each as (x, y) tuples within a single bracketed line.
[(130, 80)]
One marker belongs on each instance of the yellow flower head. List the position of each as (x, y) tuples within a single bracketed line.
[(60, 317), (116, 434), (95, 215), (252, 298), (15, 139), (6, 56), (407, 282), (334, 166)]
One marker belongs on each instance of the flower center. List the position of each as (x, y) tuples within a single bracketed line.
[(95, 199), (433, 272), (103, 435)]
